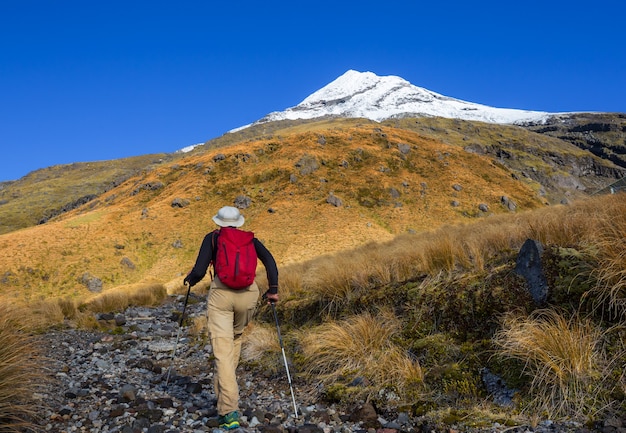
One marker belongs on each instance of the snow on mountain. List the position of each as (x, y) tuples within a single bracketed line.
[(189, 148), (367, 95)]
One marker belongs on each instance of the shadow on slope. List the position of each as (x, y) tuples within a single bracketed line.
[(48, 192)]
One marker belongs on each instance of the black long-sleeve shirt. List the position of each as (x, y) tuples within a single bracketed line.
[(207, 255)]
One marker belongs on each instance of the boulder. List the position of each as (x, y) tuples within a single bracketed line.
[(528, 265)]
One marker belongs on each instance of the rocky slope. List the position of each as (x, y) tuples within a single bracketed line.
[(603, 134)]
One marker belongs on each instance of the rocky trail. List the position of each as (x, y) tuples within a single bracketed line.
[(117, 382)]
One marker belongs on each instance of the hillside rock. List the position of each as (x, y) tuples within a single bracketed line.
[(242, 202), (93, 284), (180, 202), (508, 203), (528, 265), (307, 165), (128, 263), (334, 200), (149, 186)]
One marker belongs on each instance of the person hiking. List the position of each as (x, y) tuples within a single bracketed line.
[(229, 308)]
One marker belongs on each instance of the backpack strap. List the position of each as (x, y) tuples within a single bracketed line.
[(213, 252)]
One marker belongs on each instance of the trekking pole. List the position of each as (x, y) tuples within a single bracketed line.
[(180, 325), (282, 348)]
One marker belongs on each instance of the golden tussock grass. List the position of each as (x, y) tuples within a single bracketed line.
[(68, 308), (562, 355), (261, 346), (45, 313), (21, 370), (330, 278), (609, 248), (291, 279), (595, 226), (199, 326), (122, 297), (362, 347)]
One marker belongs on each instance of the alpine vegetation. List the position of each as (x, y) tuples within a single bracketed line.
[(397, 220), (564, 359), (20, 370), (362, 347)]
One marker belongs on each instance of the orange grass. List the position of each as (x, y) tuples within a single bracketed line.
[(596, 225), (609, 249), (362, 346), (562, 355), (50, 259), (20, 370), (122, 297)]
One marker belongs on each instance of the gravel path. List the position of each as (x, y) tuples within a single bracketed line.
[(109, 383)]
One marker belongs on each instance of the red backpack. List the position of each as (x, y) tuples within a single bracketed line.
[(235, 257)]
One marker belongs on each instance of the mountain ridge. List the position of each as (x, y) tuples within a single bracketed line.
[(42, 193), (367, 95)]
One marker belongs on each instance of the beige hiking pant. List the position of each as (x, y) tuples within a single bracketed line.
[(229, 311)]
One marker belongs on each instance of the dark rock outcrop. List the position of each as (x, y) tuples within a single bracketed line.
[(528, 265)]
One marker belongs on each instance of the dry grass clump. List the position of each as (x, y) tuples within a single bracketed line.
[(49, 313), (20, 370), (330, 279), (362, 347), (45, 314), (199, 326), (563, 357), (261, 346), (291, 279), (68, 308), (122, 297), (609, 249)]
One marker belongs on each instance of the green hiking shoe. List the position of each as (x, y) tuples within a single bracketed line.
[(229, 421)]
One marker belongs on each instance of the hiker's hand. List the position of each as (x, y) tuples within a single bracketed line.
[(187, 281), (271, 298)]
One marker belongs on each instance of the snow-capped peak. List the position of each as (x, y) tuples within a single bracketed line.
[(367, 95)]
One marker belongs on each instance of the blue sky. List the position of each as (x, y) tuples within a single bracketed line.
[(96, 80)]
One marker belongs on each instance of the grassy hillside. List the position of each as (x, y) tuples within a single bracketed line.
[(46, 192), (442, 309), (562, 169), (144, 217), (559, 168), (392, 243), (389, 181)]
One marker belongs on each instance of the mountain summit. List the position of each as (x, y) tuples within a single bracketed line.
[(367, 95)]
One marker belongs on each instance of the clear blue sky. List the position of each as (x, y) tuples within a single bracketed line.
[(87, 80)]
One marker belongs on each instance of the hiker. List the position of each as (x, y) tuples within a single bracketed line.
[(230, 309)]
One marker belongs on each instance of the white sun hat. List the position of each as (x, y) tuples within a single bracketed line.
[(228, 216)]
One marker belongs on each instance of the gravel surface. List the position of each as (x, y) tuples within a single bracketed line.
[(128, 382)]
